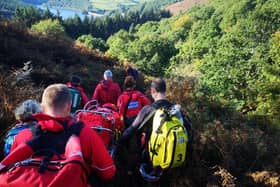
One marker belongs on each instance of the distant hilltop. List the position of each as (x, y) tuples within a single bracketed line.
[(182, 6)]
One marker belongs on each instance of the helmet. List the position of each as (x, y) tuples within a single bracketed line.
[(150, 174)]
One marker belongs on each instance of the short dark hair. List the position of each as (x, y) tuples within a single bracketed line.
[(159, 84), (75, 79), (129, 82)]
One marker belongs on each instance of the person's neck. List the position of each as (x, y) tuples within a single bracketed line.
[(56, 114), (129, 89), (108, 79), (159, 96)]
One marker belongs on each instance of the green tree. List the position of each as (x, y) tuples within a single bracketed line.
[(119, 44), (92, 42), (230, 42), (227, 44), (275, 48), (47, 14), (27, 15), (151, 53), (268, 98), (49, 27)]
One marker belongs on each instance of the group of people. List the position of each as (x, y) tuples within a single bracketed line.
[(55, 114), (129, 102)]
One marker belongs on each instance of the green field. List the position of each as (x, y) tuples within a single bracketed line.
[(69, 4), (111, 4)]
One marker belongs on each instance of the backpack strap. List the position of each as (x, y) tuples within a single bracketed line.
[(165, 107), (126, 106), (46, 139), (76, 98), (75, 88), (163, 104), (152, 113), (164, 118), (47, 144)]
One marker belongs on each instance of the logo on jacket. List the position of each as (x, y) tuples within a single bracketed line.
[(133, 104)]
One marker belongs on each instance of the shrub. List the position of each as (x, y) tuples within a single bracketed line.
[(93, 43), (49, 27)]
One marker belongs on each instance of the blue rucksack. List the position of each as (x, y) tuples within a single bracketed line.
[(10, 137), (76, 99)]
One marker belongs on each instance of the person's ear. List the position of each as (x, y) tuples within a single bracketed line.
[(68, 107), (153, 90), (43, 108)]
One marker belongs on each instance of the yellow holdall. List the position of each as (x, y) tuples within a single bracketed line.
[(168, 141)]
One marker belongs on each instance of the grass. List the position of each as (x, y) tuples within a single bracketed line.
[(111, 4), (70, 4)]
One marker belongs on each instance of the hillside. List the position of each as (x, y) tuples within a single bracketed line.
[(221, 62), (184, 5), (52, 60), (227, 149), (223, 58), (231, 49)]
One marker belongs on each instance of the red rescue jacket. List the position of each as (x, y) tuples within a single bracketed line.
[(96, 156), (106, 91), (136, 101), (39, 171)]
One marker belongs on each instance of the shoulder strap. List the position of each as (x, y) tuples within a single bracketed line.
[(75, 128), (43, 140), (126, 106), (162, 104), (47, 144), (147, 118), (155, 106), (40, 144), (165, 116), (74, 88)]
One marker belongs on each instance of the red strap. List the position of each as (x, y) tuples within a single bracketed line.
[(126, 106)]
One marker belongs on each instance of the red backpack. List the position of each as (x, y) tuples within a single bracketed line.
[(134, 101), (133, 104), (41, 162)]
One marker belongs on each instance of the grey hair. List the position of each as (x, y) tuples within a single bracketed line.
[(25, 110)]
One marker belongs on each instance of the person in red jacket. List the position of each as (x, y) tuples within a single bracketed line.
[(131, 101), (75, 87), (107, 91), (56, 106)]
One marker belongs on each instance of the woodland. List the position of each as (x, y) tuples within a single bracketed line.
[(221, 61)]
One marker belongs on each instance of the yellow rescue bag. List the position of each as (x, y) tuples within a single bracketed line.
[(167, 145)]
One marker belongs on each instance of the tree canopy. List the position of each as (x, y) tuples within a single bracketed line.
[(49, 27), (232, 46)]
